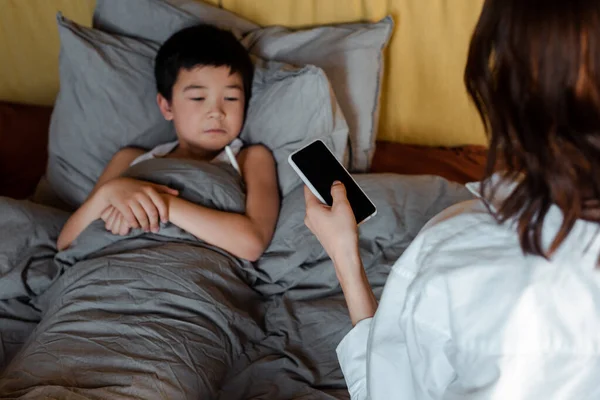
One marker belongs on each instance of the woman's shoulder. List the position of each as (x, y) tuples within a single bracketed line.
[(467, 231)]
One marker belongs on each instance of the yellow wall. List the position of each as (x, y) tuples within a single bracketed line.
[(29, 46), (423, 102)]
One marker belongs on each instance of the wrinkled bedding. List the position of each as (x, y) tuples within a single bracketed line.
[(168, 316)]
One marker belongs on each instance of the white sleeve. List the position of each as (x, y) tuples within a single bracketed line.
[(400, 353), (409, 336), (352, 355)]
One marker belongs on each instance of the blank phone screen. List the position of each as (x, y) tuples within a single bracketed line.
[(321, 168)]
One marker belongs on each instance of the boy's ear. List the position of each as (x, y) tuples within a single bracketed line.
[(165, 107)]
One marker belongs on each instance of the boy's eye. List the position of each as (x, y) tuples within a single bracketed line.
[(198, 98), (231, 99)]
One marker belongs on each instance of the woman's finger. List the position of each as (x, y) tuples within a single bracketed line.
[(338, 192), (311, 199)]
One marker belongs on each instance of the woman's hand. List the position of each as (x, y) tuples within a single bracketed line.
[(336, 229), (140, 205), (334, 226)]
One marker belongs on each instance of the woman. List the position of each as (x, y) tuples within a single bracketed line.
[(497, 298)]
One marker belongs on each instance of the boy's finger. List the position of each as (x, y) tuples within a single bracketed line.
[(127, 215), (111, 220), (116, 226), (166, 189), (124, 227), (160, 205), (151, 212), (140, 215), (106, 213)]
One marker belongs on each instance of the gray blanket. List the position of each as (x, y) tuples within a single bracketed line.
[(166, 316)]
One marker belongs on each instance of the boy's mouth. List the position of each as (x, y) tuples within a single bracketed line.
[(215, 131)]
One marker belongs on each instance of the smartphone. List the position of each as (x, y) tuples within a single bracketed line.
[(318, 168)]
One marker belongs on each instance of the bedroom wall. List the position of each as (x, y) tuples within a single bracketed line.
[(423, 101)]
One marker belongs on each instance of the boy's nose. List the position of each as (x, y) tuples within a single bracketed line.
[(216, 113)]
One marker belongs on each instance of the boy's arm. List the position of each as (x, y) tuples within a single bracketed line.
[(94, 206), (117, 165), (243, 235), (89, 211)]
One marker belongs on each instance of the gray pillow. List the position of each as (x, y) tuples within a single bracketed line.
[(291, 107), (404, 204), (107, 101), (350, 54), (156, 20), (352, 57)]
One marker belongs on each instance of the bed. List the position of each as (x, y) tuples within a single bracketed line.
[(24, 142), (166, 315)]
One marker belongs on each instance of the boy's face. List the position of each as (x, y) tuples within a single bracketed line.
[(207, 107)]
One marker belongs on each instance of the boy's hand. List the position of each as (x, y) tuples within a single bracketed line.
[(141, 204), (114, 222)]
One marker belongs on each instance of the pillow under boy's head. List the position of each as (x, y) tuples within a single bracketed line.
[(290, 107), (198, 46)]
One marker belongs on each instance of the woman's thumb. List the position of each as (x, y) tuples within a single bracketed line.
[(338, 192)]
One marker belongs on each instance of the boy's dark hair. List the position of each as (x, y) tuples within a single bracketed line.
[(201, 45), (534, 74)]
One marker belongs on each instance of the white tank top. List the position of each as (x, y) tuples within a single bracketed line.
[(228, 155)]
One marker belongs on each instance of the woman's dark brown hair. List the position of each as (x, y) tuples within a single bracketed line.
[(534, 74)]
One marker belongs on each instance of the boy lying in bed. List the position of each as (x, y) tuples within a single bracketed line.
[(204, 78)]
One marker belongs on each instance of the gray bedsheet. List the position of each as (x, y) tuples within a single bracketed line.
[(165, 316)]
